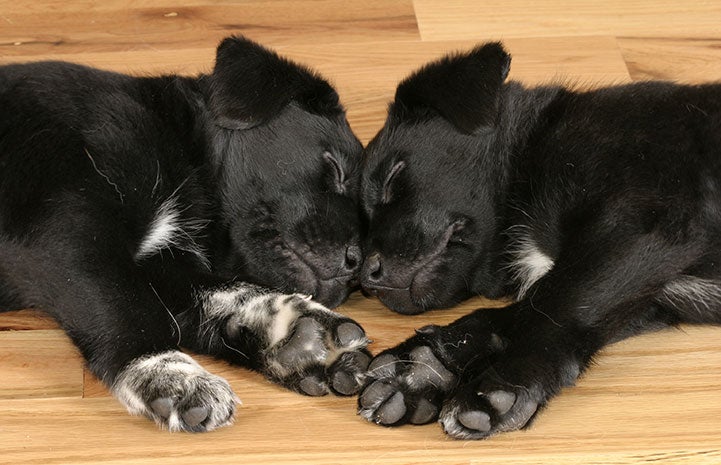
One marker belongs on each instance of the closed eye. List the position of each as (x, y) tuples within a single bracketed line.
[(339, 179), (387, 185)]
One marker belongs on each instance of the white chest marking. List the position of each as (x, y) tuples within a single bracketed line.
[(529, 264), (169, 229), (162, 231)]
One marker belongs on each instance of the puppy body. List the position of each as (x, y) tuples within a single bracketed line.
[(138, 211), (598, 210)]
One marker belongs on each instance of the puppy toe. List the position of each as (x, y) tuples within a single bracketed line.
[(375, 394), (344, 383), (428, 370), (518, 415), (475, 420), (392, 410), (195, 416), (383, 366), (172, 389), (425, 412), (349, 334), (312, 386), (162, 407), (502, 401)]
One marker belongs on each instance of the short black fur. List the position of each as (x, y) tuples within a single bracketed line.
[(138, 210), (600, 211)]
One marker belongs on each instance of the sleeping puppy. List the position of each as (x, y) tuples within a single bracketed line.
[(148, 214), (599, 211)]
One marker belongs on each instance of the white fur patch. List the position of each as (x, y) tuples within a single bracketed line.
[(282, 321), (170, 229), (169, 375), (699, 293), (267, 313), (252, 307), (529, 263)]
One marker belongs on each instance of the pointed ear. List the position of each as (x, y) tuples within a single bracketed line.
[(463, 89), (250, 85)]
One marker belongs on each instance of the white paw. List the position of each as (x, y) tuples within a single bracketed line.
[(176, 392), (303, 345)]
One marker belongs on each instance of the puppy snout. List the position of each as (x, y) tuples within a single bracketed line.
[(390, 282), (372, 271), (353, 259)]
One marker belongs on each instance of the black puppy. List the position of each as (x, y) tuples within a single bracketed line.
[(138, 210), (600, 211)]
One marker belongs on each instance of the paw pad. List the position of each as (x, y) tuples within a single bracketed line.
[(322, 351)]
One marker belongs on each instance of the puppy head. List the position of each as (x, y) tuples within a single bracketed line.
[(431, 185), (288, 168)]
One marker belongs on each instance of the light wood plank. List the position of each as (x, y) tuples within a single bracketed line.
[(145, 26), (690, 60), (668, 379), (606, 418), (39, 363), (26, 319), (460, 19)]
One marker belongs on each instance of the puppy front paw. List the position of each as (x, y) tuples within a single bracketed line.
[(405, 386), (292, 340), (319, 352), (176, 392)]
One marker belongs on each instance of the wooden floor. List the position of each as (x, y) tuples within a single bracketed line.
[(655, 398)]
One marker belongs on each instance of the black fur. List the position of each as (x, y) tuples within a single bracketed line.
[(253, 171), (599, 210)]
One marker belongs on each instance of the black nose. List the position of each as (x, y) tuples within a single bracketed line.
[(353, 258), (372, 269)]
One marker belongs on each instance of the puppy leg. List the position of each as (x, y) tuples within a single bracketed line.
[(492, 370), (124, 330), (551, 336), (291, 339)]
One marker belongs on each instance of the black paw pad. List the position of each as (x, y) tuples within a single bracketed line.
[(474, 414), (305, 344), (392, 410), (475, 420), (502, 401), (162, 407), (195, 416), (428, 370), (312, 386), (377, 393), (383, 366), (344, 383), (347, 373), (314, 350), (349, 334), (425, 412)]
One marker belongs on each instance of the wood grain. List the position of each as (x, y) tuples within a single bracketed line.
[(119, 26), (454, 19), (39, 363), (654, 398), (691, 60)]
